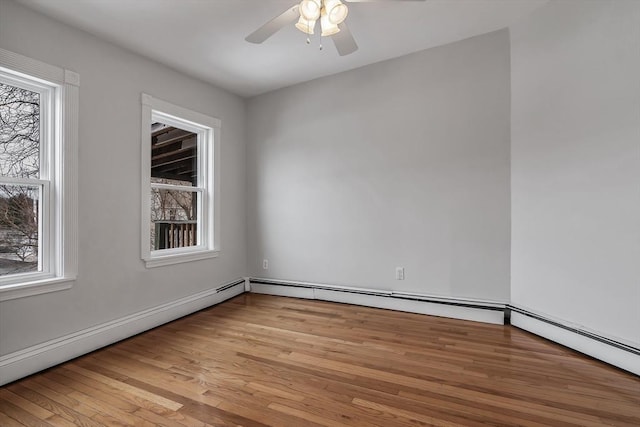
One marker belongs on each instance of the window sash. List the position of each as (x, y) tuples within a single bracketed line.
[(201, 227), (48, 95), (46, 255), (49, 104), (202, 149)]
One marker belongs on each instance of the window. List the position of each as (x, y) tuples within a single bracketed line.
[(179, 150), (38, 140), (24, 177)]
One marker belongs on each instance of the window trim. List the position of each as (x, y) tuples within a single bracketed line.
[(62, 127), (207, 128)]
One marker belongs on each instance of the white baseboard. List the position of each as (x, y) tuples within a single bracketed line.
[(602, 348), (25, 362), (478, 311)]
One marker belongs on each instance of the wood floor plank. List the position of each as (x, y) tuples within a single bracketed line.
[(7, 421), (58, 421), (124, 387), (21, 415), (259, 360), (24, 404), (40, 390), (59, 411)]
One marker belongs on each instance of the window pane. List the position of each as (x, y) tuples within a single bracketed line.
[(18, 229), (19, 132), (173, 218), (174, 155)]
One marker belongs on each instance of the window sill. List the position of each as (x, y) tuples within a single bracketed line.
[(159, 261), (36, 287)]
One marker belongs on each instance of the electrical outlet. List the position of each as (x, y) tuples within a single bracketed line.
[(399, 273), (265, 264)]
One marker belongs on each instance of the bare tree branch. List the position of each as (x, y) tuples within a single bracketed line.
[(19, 158)]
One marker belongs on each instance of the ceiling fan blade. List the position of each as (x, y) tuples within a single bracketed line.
[(376, 1), (271, 27), (344, 41)]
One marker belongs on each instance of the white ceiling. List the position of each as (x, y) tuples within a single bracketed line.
[(205, 38)]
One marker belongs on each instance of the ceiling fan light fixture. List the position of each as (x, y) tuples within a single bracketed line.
[(336, 11), (328, 28), (310, 9), (306, 25)]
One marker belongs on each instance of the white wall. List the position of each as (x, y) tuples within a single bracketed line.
[(112, 280), (400, 163), (576, 165)]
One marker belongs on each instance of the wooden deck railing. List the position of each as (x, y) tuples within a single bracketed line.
[(175, 234)]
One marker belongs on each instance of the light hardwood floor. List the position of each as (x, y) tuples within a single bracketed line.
[(262, 360)]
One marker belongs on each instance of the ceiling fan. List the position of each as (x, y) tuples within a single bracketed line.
[(332, 15)]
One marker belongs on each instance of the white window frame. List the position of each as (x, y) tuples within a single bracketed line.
[(57, 252), (208, 131)]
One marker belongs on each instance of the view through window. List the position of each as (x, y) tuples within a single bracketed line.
[(174, 187), (20, 184)]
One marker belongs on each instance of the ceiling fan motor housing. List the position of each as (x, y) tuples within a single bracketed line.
[(331, 14)]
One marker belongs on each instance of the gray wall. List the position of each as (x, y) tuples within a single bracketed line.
[(112, 280), (576, 165), (400, 163)]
